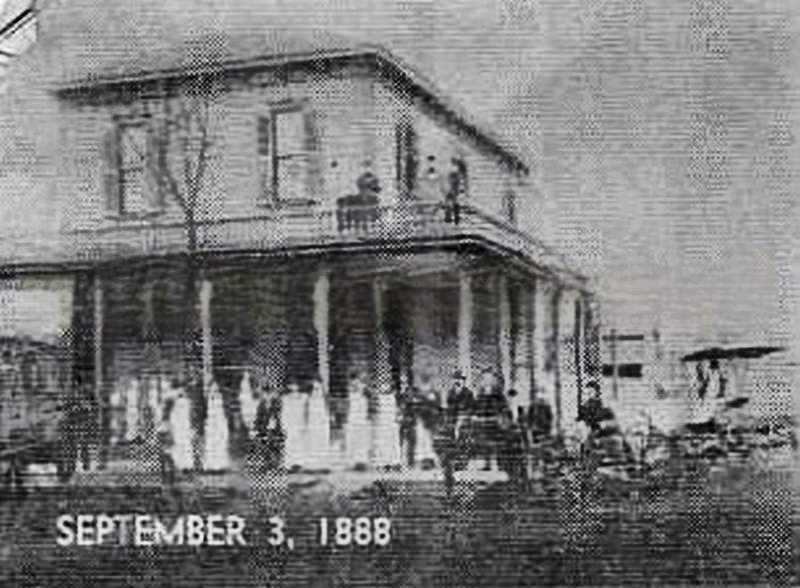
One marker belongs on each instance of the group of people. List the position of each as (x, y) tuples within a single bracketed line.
[(160, 410), (418, 426), (357, 211)]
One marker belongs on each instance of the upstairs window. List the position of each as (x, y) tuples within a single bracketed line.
[(129, 186), (287, 152), (133, 145)]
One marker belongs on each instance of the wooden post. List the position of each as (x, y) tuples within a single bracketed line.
[(465, 311), (99, 367), (321, 297), (206, 292), (614, 383), (381, 369), (531, 322), (555, 308), (505, 331), (579, 349)]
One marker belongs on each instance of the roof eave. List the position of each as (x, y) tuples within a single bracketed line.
[(385, 59)]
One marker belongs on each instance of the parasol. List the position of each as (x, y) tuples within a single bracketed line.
[(747, 352)]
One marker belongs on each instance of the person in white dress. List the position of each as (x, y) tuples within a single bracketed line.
[(318, 431), (357, 429), (216, 456), (154, 402), (180, 431), (386, 434), (294, 418), (248, 404), (132, 410), (426, 400), (117, 406)]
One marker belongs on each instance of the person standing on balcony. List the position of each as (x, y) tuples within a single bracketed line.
[(369, 188), (456, 188), (432, 186)]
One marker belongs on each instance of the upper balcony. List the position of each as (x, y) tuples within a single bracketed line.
[(398, 228)]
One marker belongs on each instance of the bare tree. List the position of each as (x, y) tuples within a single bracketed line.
[(177, 160)]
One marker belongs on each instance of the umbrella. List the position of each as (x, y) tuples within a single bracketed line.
[(748, 352)]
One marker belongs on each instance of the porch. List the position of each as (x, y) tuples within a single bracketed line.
[(398, 319)]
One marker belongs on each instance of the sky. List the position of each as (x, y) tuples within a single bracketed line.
[(661, 132)]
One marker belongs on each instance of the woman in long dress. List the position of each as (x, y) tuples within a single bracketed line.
[(180, 428), (132, 410), (357, 430), (426, 403), (216, 456), (386, 450), (318, 431), (248, 404), (294, 423)]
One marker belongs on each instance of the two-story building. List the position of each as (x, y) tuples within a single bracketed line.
[(292, 283)]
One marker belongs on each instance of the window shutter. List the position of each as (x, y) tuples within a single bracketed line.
[(263, 131), (112, 162), (265, 164), (313, 154)]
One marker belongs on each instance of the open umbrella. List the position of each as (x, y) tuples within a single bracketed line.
[(742, 352)]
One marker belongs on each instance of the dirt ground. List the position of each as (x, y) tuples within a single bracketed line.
[(699, 524)]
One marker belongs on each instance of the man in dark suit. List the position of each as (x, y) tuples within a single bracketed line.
[(459, 402), (268, 428)]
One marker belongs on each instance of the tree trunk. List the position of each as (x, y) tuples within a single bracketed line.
[(192, 338)]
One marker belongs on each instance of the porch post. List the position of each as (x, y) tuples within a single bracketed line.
[(579, 344), (99, 367), (381, 369), (555, 308), (465, 325), (505, 331), (321, 296), (531, 322), (206, 292)]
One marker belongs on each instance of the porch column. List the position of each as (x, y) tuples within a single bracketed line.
[(528, 302), (382, 371), (321, 296), (465, 311), (579, 346), (206, 291), (504, 335), (555, 309), (99, 365)]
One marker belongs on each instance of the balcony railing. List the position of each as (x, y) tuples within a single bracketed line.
[(315, 227)]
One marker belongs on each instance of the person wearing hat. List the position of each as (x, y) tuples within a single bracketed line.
[(269, 427), (369, 187), (459, 401), (492, 417)]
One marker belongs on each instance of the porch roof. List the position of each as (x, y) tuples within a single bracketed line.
[(313, 232)]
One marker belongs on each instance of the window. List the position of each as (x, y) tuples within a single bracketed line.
[(286, 142), (406, 164), (129, 185), (132, 147)]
